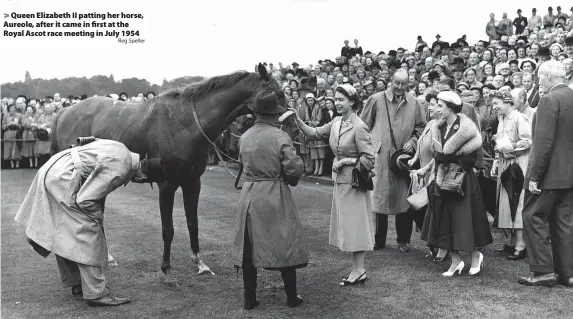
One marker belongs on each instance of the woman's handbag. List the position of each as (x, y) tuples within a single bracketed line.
[(453, 179), (361, 178), (419, 197)]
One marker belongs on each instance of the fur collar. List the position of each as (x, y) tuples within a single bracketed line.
[(465, 139)]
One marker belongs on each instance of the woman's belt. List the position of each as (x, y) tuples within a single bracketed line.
[(261, 179), (513, 154)]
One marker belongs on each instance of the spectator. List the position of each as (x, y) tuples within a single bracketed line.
[(513, 141), (549, 184), (12, 123), (535, 21), (520, 23), (29, 136), (391, 188)]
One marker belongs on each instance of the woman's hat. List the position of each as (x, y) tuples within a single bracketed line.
[(309, 96), (350, 90), (266, 102), (556, 45), (399, 162), (450, 96), (530, 60), (463, 84)]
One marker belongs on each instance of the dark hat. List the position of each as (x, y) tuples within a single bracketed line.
[(266, 102), (375, 65), (559, 8), (295, 64), (290, 71), (455, 45), (419, 37), (367, 52), (123, 93), (438, 36), (550, 9), (399, 162), (523, 37), (504, 44), (514, 62), (534, 10), (444, 45), (433, 75), (401, 48), (153, 169), (392, 53), (518, 10), (84, 96), (544, 51), (42, 134), (569, 40), (381, 53)]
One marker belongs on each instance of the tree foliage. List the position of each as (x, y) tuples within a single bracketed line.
[(99, 84)]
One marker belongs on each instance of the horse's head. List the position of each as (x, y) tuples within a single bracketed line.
[(268, 82)]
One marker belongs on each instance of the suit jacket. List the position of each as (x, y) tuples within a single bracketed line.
[(533, 99), (352, 141), (551, 162)]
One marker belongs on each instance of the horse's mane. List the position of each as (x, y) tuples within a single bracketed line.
[(208, 86)]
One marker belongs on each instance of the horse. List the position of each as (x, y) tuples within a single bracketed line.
[(172, 126)]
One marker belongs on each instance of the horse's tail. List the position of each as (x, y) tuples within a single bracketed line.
[(54, 147)]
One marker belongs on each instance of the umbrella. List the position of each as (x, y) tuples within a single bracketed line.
[(512, 180)]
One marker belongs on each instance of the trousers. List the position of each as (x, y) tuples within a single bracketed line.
[(250, 274), (404, 223), (92, 279), (549, 215)]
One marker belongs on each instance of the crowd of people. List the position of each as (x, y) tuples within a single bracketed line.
[(477, 129)]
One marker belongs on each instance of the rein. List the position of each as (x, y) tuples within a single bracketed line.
[(218, 151)]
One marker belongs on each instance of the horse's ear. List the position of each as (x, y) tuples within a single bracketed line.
[(263, 71)]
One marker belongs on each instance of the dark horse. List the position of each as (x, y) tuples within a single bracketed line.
[(165, 127)]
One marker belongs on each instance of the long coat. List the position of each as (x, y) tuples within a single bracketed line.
[(390, 189), (266, 206), (551, 162), (63, 212), (351, 227)]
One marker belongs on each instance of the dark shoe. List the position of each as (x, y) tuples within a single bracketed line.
[(108, 300), (404, 247), (249, 304), (441, 259), (294, 303), (506, 249), (547, 280), (77, 290), (379, 247), (518, 255), (565, 281), (360, 280)]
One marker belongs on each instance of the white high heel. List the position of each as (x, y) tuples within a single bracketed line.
[(458, 269), (475, 270)]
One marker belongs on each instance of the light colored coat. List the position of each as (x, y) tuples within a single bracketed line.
[(390, 189), (352, 141), (266, 206), (63, 212)]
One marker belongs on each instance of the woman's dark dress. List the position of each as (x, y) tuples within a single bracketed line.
[(455, 222)]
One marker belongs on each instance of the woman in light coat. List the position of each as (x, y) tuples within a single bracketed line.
[(513, 143), (351, 226)]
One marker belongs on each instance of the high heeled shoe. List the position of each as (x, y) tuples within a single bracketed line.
[(458, 269), (441, 259), (518, 254), (475, 270), (359, 280)]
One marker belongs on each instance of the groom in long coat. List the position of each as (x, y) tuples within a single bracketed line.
[(391, 189)]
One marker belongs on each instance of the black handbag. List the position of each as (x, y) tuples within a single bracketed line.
[(361, 178), (453, 179)]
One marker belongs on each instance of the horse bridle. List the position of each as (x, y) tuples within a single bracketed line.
[(217, 150)]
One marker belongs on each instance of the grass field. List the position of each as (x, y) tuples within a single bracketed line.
[(400, 285)]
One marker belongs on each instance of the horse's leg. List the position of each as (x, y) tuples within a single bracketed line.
[(166, 197), (191, 190)]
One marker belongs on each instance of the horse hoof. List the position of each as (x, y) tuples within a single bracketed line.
[(171, 284)]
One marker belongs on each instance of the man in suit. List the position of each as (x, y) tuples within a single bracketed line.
[(548, 208), (532, 90)]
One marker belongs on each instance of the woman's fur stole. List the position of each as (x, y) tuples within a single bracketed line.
[(465, 140)]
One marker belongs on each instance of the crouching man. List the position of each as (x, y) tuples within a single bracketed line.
[(63, 211)]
